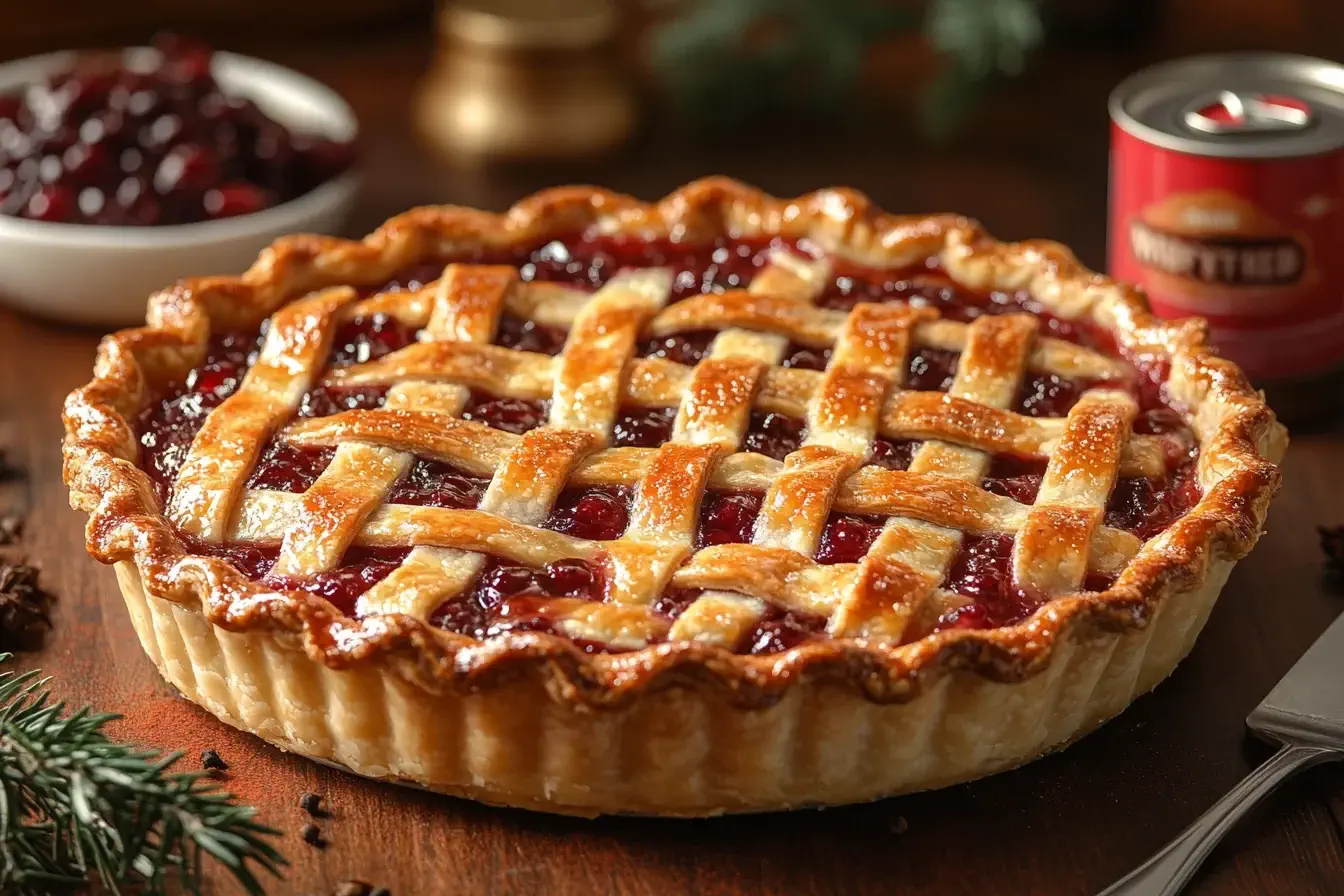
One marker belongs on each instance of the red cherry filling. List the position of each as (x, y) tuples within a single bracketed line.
[(166, 427), (104, 144), (510, 598), (773, 435), (780, 630), (674, 601), (363, 339), (853, 284), (253, 561), (166, 431), (1146, 507), (932, 370), (682, 348), (324, 401), (893, 455), (696, 269), (515, 415), (289, 468), (432, 483), (928, 287), (801, 357), (846, 538), (1048, 395), (1018, 478), (600, 514), (982, 570), (528, 336), (360, 570), (727, 518), (642, 427), (777, 631)]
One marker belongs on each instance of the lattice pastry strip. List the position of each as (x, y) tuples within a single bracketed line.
[(479, 450), (718, 399), (588, 385), (822, 327), (654, 382), (359, 478), (223, 453), (989, 373), (1051, 553), (530, 476), (717, 410), (428, 575), (596, 374), (870, 357), (466, 307)]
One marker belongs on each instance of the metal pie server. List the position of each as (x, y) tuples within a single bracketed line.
[(1304, 713)]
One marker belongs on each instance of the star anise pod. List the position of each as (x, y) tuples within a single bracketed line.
[(25, 609), (1332, 543)]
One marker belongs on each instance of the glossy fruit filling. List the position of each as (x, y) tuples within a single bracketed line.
[(508, 597), (599, 514), (115, 142), (433, 483)]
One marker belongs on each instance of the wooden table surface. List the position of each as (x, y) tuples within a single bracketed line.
[(1068, 824)]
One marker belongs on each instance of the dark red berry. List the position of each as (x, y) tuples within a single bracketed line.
[(186, 169), (514, 415), (847, 538), (643, 427), (231, 200), (683, 348), (773, 435), (569, 578), (727, 518), (51, 203), (893, 455), (600, 515)]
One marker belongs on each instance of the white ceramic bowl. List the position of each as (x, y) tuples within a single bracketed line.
[(91, 274)]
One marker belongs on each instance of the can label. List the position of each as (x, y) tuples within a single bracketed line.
[(1255, 246)]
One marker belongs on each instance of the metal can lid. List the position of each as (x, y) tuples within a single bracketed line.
[(1236, 105)]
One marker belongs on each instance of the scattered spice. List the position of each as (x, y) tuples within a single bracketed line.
[(312, 835), (1332, 543), (312, 804), (174, 723), (25, 609), (353, 888), (11, 528), (211, 759)]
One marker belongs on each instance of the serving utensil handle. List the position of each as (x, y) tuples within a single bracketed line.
[(1169, 870)]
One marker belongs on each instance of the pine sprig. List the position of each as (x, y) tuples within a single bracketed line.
[(75, 805)]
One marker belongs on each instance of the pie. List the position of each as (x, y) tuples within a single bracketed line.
[(723, 503)]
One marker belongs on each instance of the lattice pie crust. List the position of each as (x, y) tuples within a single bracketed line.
[(678, 725)]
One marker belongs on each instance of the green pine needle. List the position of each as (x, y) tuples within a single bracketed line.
[(75, 806)]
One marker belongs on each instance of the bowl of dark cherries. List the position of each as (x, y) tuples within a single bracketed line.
[(123, 172)]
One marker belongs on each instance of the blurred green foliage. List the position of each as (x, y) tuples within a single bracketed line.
[(729, 62)]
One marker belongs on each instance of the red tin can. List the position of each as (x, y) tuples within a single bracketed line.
[(1227, 202)]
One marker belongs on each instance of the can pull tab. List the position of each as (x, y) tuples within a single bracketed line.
[(1233, 113)]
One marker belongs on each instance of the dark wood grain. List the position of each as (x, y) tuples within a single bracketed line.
[(1033, 165)]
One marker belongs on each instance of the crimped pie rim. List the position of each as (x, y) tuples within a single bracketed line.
[(1240, 442)]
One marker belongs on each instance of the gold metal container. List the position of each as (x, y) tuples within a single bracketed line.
[(527, 80)]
